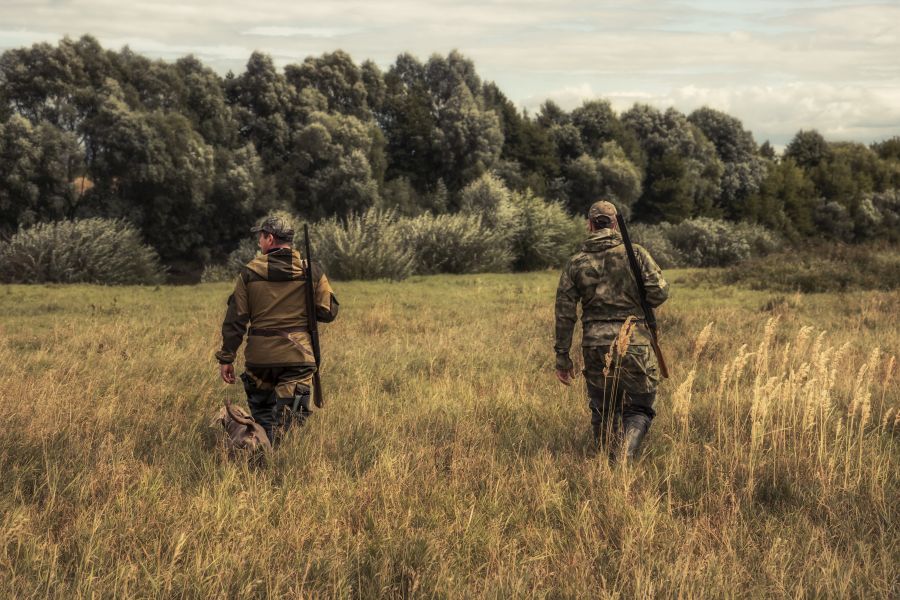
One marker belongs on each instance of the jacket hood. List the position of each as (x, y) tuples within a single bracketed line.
[(260, 264), (601, 240)]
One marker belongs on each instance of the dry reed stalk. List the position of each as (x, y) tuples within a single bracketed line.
[(681, 400), (888, 374), (785, 356), (885, 422), (624, 338), (817, 345), (607, 361), (762, 354), (803, 336), (702, 340)]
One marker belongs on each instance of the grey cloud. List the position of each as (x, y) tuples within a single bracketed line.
[(760, 61)]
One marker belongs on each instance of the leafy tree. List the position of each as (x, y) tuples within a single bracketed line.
[(436, 124), (598, 124), (888, 149), (202, 100), (551, 114), (786, 200), (744, 169), (683, 173), (37, 167), (808, 149), (469, 139), (266, 108), (338, 79), (409, 125), (373, 80), (527, 148), (330, 166)]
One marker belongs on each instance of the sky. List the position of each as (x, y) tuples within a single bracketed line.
[(779, 66)]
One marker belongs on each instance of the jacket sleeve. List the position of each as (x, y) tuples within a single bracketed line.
[(566, 313), (326, 302), (656, 285), (235, 324)]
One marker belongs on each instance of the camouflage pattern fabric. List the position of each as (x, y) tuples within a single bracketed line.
[(599, 277), (277, 226), (634, 372)]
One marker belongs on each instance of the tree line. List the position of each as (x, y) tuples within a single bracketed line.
[(190, 157)]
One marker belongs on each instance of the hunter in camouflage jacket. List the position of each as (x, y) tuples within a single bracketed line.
[(621, 378)]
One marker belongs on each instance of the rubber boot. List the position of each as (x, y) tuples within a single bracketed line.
[(636, 427)]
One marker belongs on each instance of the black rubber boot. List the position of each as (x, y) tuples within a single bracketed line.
[(636, 427)]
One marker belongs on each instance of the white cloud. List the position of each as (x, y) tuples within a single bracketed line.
[(775, 64), (315, 32), (776, 113)]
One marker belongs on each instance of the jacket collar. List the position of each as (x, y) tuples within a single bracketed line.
[(602, 239)]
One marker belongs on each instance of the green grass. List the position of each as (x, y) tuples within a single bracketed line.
[(448, 461)]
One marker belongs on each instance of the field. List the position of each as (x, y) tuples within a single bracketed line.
[(448, 461)]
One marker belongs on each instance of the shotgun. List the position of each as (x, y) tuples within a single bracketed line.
[(312, 322), (649, 316)]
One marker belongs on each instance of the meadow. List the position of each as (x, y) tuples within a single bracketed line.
[(448, 462)]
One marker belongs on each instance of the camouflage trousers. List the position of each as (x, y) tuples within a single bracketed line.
[(625, 391), (271, 394)]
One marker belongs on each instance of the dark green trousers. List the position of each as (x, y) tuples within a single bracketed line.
[(269, 403)]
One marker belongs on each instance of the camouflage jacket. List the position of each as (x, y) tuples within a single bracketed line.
[(270, 296), (600, 278)]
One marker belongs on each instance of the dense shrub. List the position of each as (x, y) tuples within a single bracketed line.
[(459, 243), (102, 251), (823, 268), (545, 235), (888, 206), (366, 246), (489, 198), (655, 239), (707, 242)]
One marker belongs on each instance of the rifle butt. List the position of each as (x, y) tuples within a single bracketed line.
[(663, 367), (318, 399)]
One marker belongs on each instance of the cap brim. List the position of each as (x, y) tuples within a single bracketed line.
[(255, 229)]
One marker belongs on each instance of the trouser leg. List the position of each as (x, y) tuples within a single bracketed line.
[(291, 410), (261, 400), (605, 415)]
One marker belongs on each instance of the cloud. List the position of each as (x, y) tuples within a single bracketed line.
[(315, 32), (776, 113), (777, 65)]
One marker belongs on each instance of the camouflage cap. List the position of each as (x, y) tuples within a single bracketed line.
[(602, 208), (277, 226)]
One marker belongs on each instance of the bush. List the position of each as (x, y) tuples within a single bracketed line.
[(825, 268), (459, 243), (545, 234), (762, 241), (105, 251), (655, 239), (707, 242), (367, 246)]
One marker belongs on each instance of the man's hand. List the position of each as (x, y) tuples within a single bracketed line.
[(227, 373), (565, 375)]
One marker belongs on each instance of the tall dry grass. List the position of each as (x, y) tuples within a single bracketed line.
[(448, 462)]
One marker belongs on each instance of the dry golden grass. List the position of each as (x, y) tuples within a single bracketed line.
[(448, 461)]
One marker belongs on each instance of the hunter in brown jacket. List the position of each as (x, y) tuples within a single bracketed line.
[(270, 296)]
